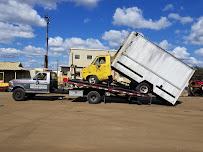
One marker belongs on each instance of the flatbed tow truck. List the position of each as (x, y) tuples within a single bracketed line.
[(46, 83)]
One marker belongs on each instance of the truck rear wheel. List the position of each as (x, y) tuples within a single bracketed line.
[(19, 94), (144, 88), (93, 97), (93, 80)]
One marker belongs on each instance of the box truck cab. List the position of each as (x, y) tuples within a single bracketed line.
[(98, 70)]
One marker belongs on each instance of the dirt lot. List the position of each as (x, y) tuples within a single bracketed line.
[(62, 125)]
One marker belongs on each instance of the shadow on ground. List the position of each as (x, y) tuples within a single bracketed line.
[(138, 101), (46, 98)]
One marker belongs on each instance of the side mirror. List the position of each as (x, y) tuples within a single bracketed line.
[(98, 66)]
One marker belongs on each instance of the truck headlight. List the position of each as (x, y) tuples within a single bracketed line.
[(10, 83)]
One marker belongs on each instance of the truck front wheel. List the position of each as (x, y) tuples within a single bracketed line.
[(93, 97), (19, 94), (144, 88), (93, 80)]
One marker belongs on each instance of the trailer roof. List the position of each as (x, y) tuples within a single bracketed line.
[(11, 66)]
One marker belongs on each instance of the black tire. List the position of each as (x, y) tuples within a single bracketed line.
[(93, 79), (19, 94), (196, 91), (144, 88), (94, 97)]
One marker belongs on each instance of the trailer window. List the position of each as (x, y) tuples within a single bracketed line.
[(1, 77), (77, 56), (89, 57)]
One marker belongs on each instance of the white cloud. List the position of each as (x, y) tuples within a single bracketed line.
[(47, 4), (9, 51), (196, 33), (58, 45), (114, 37), (168, 7), (19, 13), (16, 19), (165, 45), (86, 3), (84, 43), (57, 49), (32, 50), (133, 17), (182, 54), (27, 51), (86, 20), (199, 52), (10, 31), (56, 41), (181, 19), (52, 4)]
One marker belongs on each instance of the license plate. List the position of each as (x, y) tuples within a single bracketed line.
[(76, 93)]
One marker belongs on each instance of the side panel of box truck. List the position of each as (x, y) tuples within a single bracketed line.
[(142, 60)]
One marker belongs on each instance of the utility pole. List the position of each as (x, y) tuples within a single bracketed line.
[(47, 19), (57, 66)]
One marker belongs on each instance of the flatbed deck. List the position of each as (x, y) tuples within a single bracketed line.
[(105, 90)]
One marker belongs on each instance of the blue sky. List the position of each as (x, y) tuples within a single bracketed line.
[(175, 25)]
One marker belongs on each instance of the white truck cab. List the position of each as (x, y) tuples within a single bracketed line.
[(43, 82)]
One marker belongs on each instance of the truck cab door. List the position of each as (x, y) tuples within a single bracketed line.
[(40, 83), (53, 82), (103, 67)]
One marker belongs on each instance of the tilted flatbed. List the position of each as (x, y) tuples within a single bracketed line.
[(96, 92)]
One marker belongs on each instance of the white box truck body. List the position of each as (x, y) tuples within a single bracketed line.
[(144, 61)]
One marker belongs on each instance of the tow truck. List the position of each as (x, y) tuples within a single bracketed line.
[(46, 83)]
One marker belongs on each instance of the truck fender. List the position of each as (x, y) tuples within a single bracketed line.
[(20, 86)]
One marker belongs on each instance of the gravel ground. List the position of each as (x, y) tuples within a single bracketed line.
[(47, 124)]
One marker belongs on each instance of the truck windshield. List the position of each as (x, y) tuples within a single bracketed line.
[(99, 60), (93, 62)]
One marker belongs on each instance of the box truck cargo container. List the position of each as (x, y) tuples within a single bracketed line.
[(145, 62)]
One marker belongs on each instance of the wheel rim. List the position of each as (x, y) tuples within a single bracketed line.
[(18, 95), (93, 98), (144, 89), (92, 80)]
